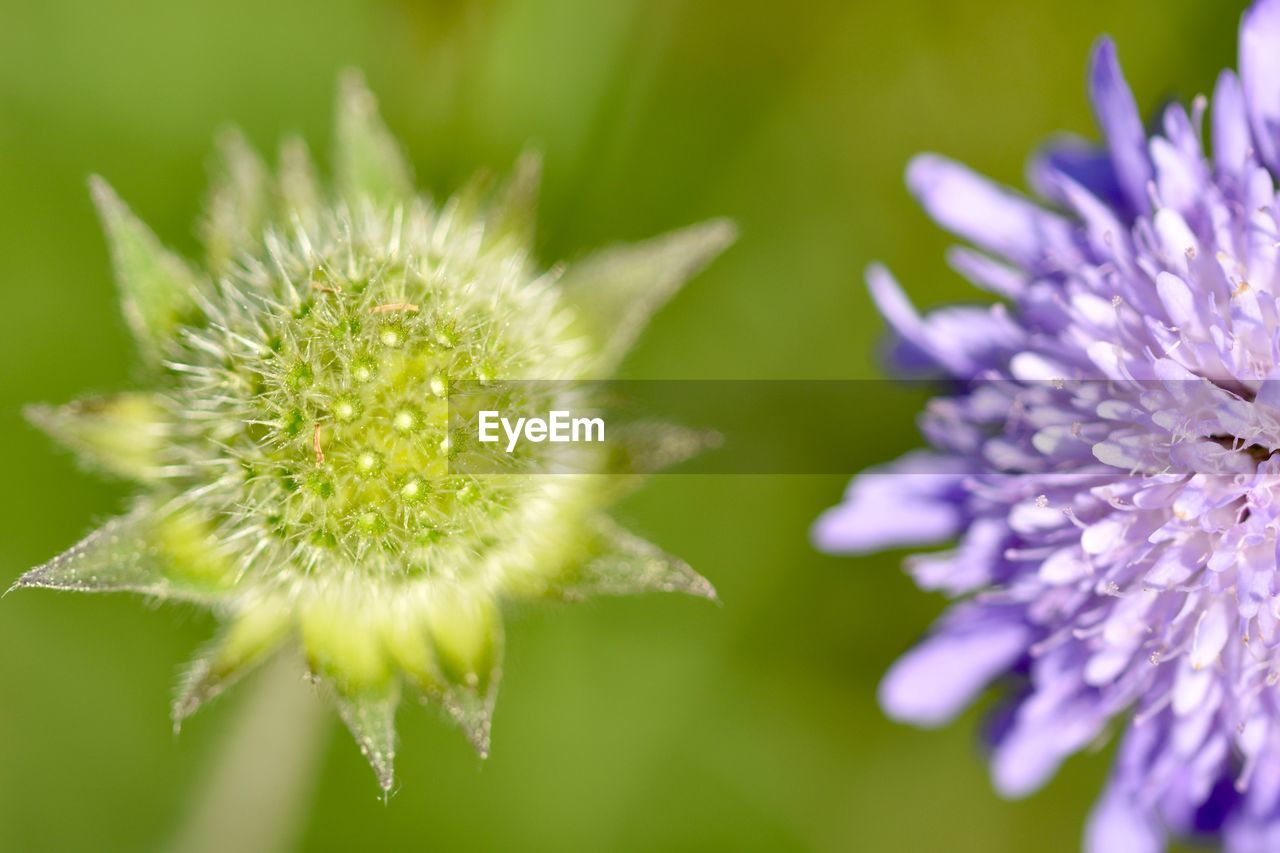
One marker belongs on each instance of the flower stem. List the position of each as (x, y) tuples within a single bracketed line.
[(254, 799)]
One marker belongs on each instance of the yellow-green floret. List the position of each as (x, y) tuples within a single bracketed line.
[(299, 472)]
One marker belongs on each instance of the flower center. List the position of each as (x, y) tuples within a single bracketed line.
[(324, 402)]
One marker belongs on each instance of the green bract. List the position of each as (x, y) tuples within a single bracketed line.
[(293, 451)]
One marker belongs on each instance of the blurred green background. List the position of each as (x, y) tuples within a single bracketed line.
[(644, 724)]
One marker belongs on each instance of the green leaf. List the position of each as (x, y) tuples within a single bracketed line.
[(649, 447), (300, 192), (165, 555), (157, 288), (239, 203), (114, 558), (368, 162), (617, 290), (472, 709), (473, 199), (124, 434), (466, 631), (640, 449), (240, 647), (343, 643), (190, 553), (371, 718), (515, 210), (620, 563)]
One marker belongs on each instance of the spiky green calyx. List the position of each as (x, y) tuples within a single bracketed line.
[(294, 450)]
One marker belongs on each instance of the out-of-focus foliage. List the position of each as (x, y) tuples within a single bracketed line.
[(626, 725)]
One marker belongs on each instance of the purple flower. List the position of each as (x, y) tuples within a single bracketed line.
[(1106, 457)]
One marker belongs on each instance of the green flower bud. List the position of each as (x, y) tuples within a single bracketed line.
[(293, 450)]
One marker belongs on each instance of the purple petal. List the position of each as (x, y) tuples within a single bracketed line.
[(1119, 824), (974, 563), (1121, 124), (990, 216), (960, 340), (1260, 76), (913, 350), (1082, 162), (1252, 835), (1026, 759), (1042, 736), (1107, 235), (1230, 130), (936, 680), (911, 501), (987, 272)]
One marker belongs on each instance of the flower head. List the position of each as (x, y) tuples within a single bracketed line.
[(298, 470), (1107, 457)]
